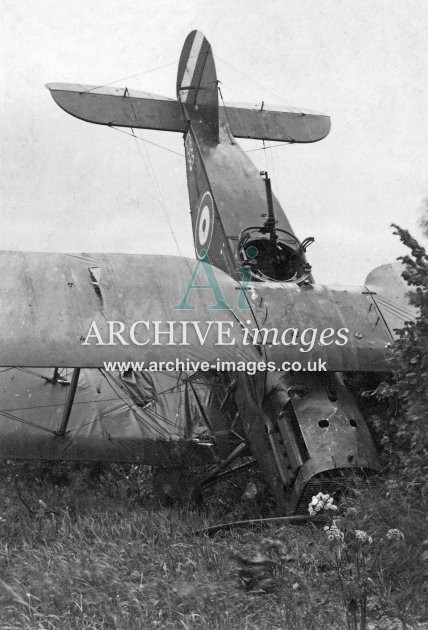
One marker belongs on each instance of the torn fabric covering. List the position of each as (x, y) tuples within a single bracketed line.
[(168, 395), (105, 423)]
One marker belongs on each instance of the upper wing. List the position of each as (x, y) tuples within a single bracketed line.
[(51, 301), (341, 326)]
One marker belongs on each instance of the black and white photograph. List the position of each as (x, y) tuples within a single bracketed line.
[(214, 315)]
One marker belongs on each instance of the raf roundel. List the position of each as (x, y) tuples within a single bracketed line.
[(205, 221)]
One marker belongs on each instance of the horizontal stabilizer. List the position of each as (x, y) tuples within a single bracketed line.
[(119, 107), (275, 123), (129, 108)]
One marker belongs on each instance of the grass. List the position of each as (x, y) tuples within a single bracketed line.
[(84, 547)]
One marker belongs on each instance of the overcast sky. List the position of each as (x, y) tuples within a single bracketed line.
[(71, 186)]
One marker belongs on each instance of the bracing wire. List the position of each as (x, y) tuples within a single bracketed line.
[(137, 414), (152, 176), (132, 76), (263, 148), (271, 167), (141, 139), (251, 79), (169, 390), (275, 146), (31, 372), (97, 419), (11, 416), (60, 404)]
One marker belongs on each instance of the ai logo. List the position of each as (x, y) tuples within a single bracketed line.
[(203, 265)]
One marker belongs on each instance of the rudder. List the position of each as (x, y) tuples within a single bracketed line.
[(197, 82)]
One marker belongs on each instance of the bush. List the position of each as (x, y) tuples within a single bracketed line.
[(410, 374)]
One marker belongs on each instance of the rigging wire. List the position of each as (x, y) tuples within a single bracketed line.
[(61, 404), (132, 76), (148, 141), (251, 79), (31, 372), (137, 415), (229, 126), (165, 391), (152, 176), (265, 157), (150, 172), (169, 390), (149, 410), (11, 416), (97, 419), (263, 148), (271, 168), (275, 146)]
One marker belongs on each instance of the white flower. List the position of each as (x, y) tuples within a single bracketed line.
[(321, 502), (363, 536), (334, 534), (394, 534)]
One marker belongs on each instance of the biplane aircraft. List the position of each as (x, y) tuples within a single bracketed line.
[(249, 296)]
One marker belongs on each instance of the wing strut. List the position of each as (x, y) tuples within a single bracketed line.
[(69, 401)]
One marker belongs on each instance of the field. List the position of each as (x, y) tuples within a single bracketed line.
[(89, 547)]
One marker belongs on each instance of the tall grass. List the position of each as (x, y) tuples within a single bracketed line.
[(85, 547)]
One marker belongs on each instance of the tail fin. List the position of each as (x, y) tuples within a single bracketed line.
[(228, 198), (197, 82)]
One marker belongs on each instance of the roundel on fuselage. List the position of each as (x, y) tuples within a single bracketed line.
[(204, 222)]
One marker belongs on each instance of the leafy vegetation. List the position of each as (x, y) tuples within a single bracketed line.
[(410, 383), (84, 548)]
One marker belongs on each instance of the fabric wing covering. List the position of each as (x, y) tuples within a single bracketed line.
[(151, 418), (51, 301)]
